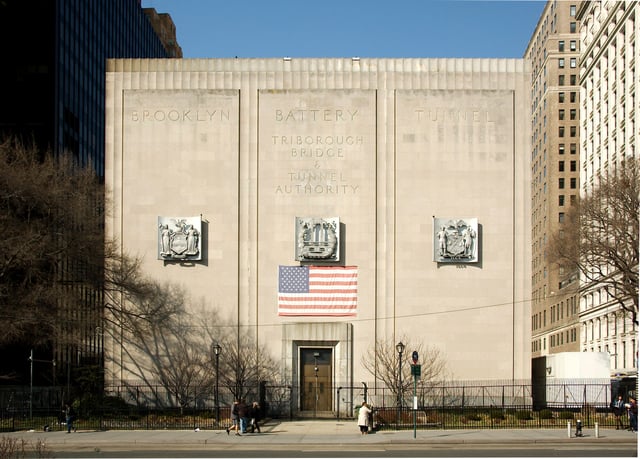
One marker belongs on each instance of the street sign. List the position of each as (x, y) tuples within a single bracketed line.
[(415, 371)]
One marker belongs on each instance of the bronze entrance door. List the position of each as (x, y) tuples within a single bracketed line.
[(315, 384)]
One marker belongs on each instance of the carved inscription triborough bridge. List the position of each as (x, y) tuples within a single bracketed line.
[(318, 151)]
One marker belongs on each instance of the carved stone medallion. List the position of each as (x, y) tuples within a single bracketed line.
[(455, 240), (317, 239), (179, 238)]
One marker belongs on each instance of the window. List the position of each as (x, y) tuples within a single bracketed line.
[(561, 45), (573, 46), (561, 166), (561, 131), (572, 80), (561, 114), (561, 217), (574, 183), (573, 166), (572, 131), (561, 183), (561, 149), (572, 114), (572, 11), (572, 96), (561, 63), (561, 200), (561, 80), (561, 97), (572, 27), (573, 148), (573, 62), (572, 200)]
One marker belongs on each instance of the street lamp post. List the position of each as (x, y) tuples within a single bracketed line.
[(216, 351), (315, 369), (400, 349), (31, 360), (31, 385)]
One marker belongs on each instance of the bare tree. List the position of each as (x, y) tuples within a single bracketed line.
[(167, 344), (600, 237), (52, 246), (243, 363), (161, 346), (381, 361), (60, 278)]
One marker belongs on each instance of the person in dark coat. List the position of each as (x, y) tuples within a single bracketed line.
[(632, 408), (243, 414), (235, 420), (254, 416), (70, 416), (618, 410)]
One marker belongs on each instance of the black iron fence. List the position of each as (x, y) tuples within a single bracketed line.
[(454, 405)]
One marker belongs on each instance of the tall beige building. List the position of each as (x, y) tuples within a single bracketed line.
[(609, 134), (411, 174), (554, 52)]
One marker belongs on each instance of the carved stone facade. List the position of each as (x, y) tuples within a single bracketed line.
[(334, 162)]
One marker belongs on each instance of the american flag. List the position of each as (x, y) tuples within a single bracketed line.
[(317, 290)]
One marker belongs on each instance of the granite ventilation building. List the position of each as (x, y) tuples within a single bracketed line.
[(242, 179)]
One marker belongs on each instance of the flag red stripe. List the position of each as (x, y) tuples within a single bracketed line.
[(332, 291)]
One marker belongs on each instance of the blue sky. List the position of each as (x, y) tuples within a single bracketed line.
[(348, 28)]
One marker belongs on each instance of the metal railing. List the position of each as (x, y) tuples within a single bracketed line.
[(452, 405)]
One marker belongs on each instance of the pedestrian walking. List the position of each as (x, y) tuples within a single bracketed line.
[(364, 413), (243, 414), (618, 410), (632, 408), (235, 418), (254, 416), (70, 416)]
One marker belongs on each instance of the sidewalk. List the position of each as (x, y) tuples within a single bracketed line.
[(324, 434)]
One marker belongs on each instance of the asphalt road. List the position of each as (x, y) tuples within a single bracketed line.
[(356, 452)]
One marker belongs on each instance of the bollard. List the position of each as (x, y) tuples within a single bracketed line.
[(568, 429), (597, 431)]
